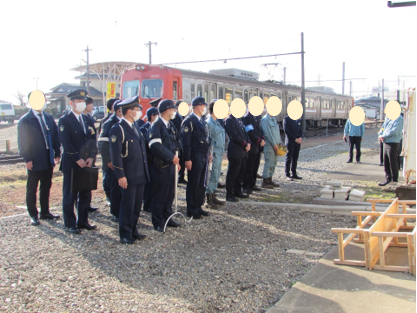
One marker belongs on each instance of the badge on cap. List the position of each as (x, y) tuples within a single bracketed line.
[(61, 128), (82, 93), (186, 129), (113, 138)]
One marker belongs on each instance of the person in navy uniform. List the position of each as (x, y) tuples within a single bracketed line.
[(103, 144), (110, 111), (239, 145), (78, 139), (293, 139), (253, 129), (38, 142), (152, 114), (129, 160), (162, 139), (195, 144), (177, 122)]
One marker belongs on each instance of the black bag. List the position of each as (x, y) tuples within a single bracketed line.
[(84, 179)]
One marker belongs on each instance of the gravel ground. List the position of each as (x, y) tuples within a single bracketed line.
[(233, 261)]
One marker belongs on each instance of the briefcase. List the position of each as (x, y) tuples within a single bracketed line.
[(84, 179)]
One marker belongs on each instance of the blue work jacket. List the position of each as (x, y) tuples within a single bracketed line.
[(352, 130)]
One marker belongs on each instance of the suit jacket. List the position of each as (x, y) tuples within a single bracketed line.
[(31, 141), (194, 137), (128, 153), (292, 129), (162, 141), (178, 121), (145, 127), (77, 144), (254, 130), (103, 141), (238, 139)]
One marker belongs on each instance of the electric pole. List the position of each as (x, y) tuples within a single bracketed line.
[(88, 69), (303, 90), (343, 79), (285, 74), (150, 50), (350, 93), (381, 113)]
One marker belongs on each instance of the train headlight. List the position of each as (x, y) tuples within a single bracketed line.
[(143, 67), (138, 67)]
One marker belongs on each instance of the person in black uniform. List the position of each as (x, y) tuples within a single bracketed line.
[(115, 195), (177, 122), (151, 115), (128, 156), (155, 103), (239, 145), (78, 139), (195, 144), (293, 139), (163, 144), (38, 142), (107, 172), (253, 129)]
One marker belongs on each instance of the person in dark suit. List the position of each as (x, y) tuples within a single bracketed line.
[(253, 129), (162, 139), (195, 144), (293, 139), (152, 114), (128, 156), (78, 139), (115, 195), (239, 145), (177, 122), (38, 142), (110, 111)]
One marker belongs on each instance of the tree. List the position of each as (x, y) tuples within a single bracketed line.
[(21, 97)]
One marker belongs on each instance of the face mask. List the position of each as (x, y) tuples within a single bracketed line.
[(80, 107), (137, 116), (173, 115), (204, 111)]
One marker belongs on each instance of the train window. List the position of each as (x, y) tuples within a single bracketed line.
[(174, 91), (326, 104), (192, 87), (261, 95), (206, 92), (238, 94), (199, 90), (212, 92), (221, 93), (130, 89), (250, 94), (228, 95), (152, 88), (273, 95), (246, 96)]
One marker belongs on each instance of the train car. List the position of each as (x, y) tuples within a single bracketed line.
[(159, 81)]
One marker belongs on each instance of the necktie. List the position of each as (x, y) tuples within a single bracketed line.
[(135, 130), (82, 123), (45, 131), (48, 140)]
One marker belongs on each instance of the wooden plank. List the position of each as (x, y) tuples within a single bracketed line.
[(381, 251), (389, 234), (346, 230), (341, 247), (410, 252), (367, 248), (392, 268), (401, 215), (360, 213), (349, 262), (380, 200)]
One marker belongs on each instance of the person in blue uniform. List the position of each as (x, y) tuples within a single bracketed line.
[(151, 115), (104, 147), (78, 139), (355, 134), (239, 145), (177, 122), (38, 143), (163, 144), (270, 129), (195, 144), (253, 129), (128, 157), (293, 139)]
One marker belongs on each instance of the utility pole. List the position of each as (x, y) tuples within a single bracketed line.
[(381, 113), (303, 90), (285, 74), (36, 79), (150, 50), (88, 69), (350, 93), (343, 79)]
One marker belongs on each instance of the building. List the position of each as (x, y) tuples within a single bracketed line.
[(371, 106)]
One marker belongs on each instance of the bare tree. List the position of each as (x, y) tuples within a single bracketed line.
[(21, 97)]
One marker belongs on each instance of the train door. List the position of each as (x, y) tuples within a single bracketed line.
[(206, 92), (213, 92), (175, 89)]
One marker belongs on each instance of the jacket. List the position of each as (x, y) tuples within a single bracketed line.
[(238, 139), (271, 131), (352, 130), (254, 130), (217, 134), (393, 130), (292, 129), (194, 137)]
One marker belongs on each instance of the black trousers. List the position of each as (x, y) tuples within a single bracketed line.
[(252, 166), (291, 158), (196, 189), (163, 195), (115, 195), (235, 175), (391, 152), (81, 199), (181, 173), (381, 153), (45, 179), (149, 188), (355, 141), (130, 210)]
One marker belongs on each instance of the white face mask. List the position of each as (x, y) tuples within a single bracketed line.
[(137, 116), (80, 107), (173, 115)]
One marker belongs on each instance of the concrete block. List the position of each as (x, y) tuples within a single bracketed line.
[(335, 184), (295, 251)]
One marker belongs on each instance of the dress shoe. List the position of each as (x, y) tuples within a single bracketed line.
[(350, 161), (381, 164), (295, 176), (232, 199), (204, 213), (247, 190), (138, 237), (384, 184), (256, 188), (358, 162), (48, 216), (182, 181), (87, 226), (159, 228), (196, 216), (258, 176), (90, 209), (172, 223), (288, 177), (128, 241), (220, 185), (241, 195), (74, 230), (272, 183), (34, 220)]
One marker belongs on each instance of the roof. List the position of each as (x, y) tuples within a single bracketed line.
[(115, 67), (370, 102), (66, 88)]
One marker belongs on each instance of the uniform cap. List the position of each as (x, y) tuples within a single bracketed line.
[(151, 111), (198, 101), (77, 94), (111, 102), (155, 102), (165, 105), (116, 105), (130, 103)]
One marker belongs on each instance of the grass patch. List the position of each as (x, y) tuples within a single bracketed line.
[(372, 191)]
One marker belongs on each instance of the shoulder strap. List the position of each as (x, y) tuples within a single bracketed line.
[(123, 133)]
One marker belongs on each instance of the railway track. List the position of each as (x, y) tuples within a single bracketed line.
[(12, 159)]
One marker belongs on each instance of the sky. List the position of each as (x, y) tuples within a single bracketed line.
[(44, 40)]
